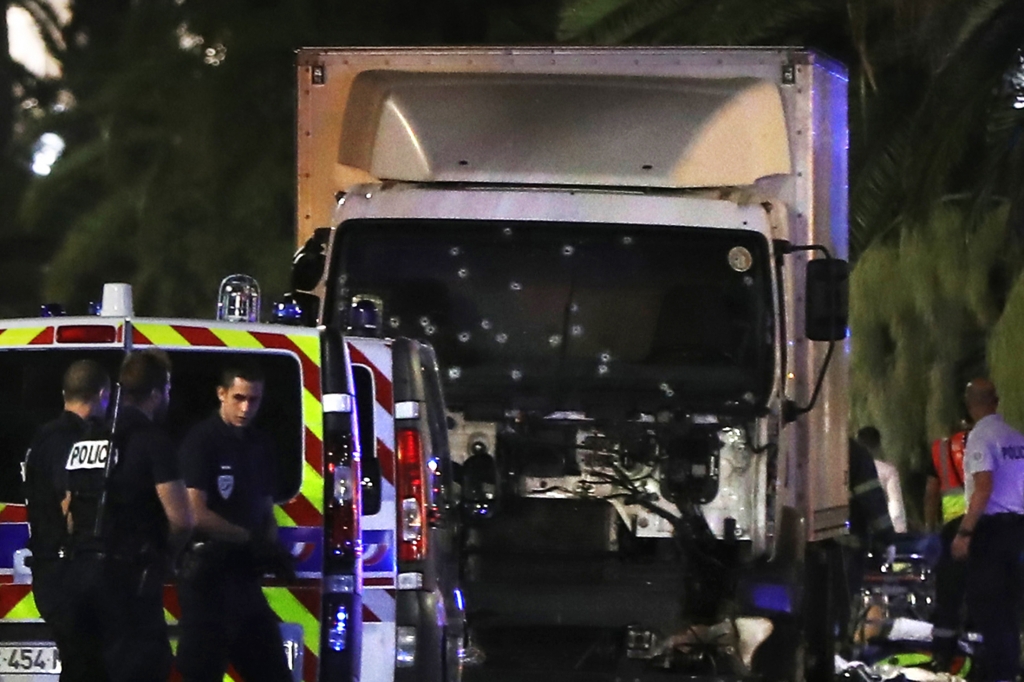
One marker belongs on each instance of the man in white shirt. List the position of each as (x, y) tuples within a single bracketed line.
[(991, 535)]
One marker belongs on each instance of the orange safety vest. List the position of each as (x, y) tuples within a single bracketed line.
[(948, 457)]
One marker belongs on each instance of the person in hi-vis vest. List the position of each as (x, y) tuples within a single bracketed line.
[(945, 500)]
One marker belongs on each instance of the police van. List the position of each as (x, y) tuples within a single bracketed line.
[(309, 410), (414, 611)]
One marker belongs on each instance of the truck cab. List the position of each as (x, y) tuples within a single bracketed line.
[(630, 264)]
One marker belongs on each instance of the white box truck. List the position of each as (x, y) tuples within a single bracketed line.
[(630, 264)]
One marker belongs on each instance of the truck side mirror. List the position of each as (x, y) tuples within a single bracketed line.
[(827, 299), (308, 262)]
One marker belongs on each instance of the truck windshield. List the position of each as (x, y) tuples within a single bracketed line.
[(546, 316)]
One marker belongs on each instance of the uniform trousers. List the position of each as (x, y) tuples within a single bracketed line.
[(950, 585), (79, 645), (226, 619), (121, 601), (994, 593)]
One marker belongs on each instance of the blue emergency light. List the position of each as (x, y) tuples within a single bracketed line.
[(338, 632)]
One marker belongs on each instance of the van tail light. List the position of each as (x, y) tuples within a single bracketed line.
[(341, 501), (342, 511), (412, 499)]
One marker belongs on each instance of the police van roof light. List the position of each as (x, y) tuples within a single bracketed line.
[(365, 316), (239, 299), (51, 310), (287, 311), (117, 300)]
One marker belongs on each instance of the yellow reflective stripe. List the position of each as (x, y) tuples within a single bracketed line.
[(169, 618), (313, 414), (866, 486), (236, 338), (291, 610), (162, 335), (313, 486), (953, 506), (24, 609), (282, 518), (19, 336), (909, 659), (308, 344)]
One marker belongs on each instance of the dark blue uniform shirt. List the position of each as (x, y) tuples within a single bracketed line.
[(46, 481), (135, 514), (233, 466)]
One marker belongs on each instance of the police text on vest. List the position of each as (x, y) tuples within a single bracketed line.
[(88, 454)]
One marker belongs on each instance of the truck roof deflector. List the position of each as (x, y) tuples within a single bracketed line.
[(556, 129)]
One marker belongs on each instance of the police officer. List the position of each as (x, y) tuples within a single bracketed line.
[(871, 527), (129, 512), (870, 522), (228, 469), (86, 389), (991, 534)]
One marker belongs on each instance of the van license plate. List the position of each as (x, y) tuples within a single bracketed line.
[(30, 658)]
